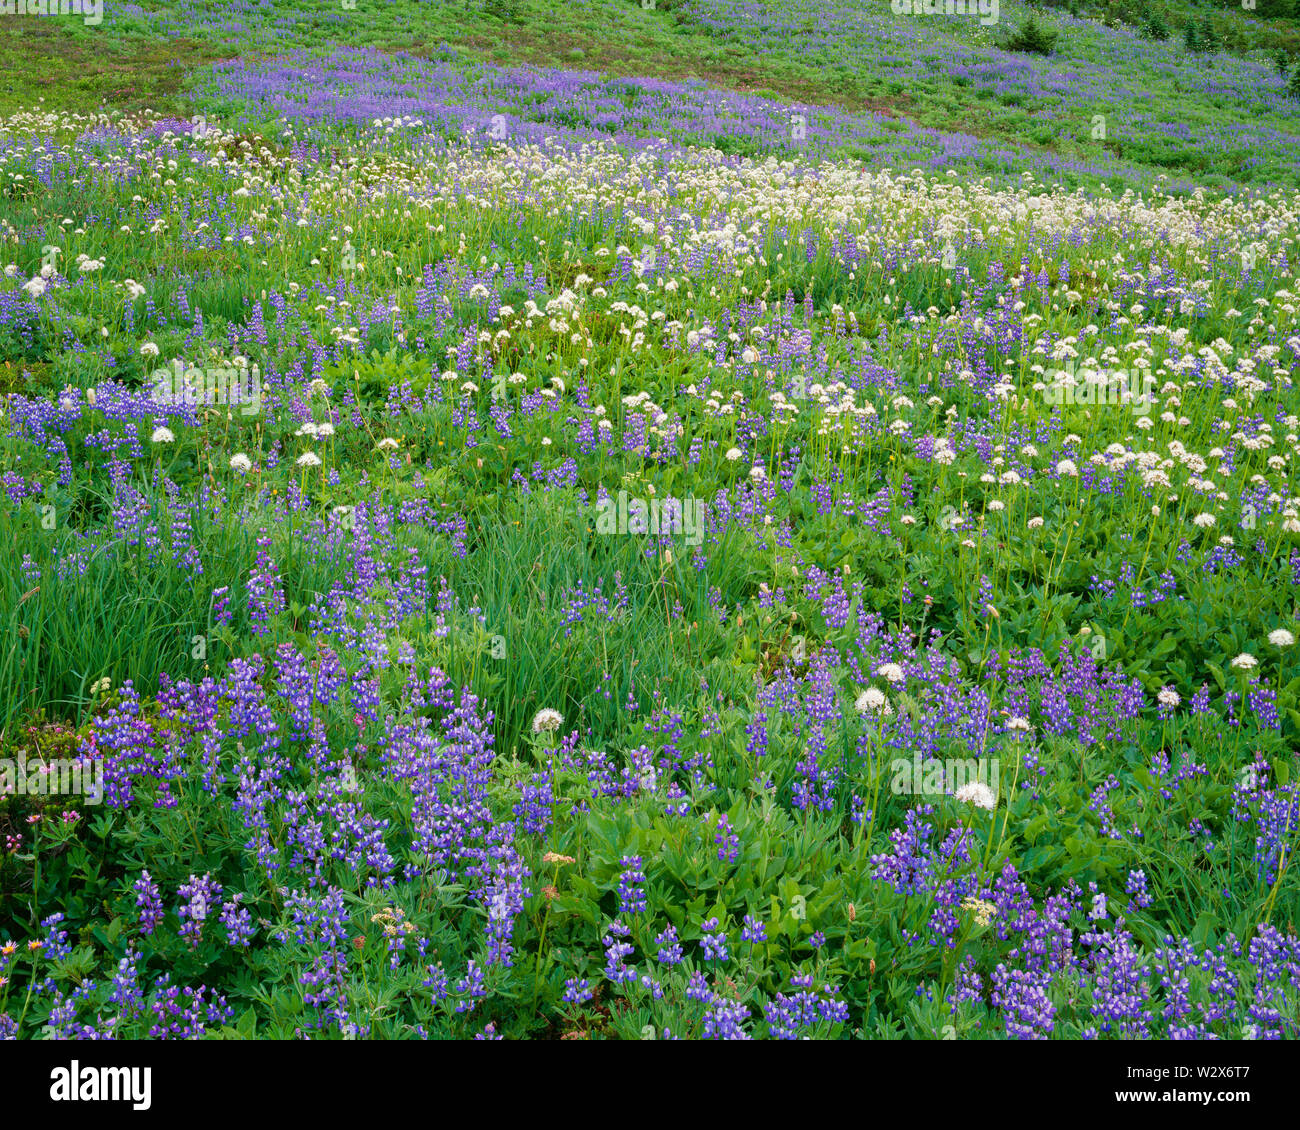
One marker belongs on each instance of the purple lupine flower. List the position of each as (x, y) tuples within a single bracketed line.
[(149, 900), (237, 921), (631, 893), (714, 944), (727, 840), (198, 897)]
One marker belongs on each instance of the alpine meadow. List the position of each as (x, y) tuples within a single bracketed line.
[(649, 520)]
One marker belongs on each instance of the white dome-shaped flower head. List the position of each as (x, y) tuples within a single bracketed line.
[(978, 794), (547, 721), (871, 699), (891, 671)]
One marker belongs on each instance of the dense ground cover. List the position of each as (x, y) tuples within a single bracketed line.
[(641, 557)]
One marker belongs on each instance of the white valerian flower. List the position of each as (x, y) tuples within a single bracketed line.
[(319, 387), (1016, 724), (307, 429), (240, 463), (871, 699), (308, 459), (35, 287), (547, 721), (997, 504), (891, 671), (1169, 697), (324, 431), (1034, 523), (148, 349), (733, 453), (1203, 520), (1245, 661), (978, 794), (387, 444), (1066, 467), (163, 435), (1280, 637), (908, 520)]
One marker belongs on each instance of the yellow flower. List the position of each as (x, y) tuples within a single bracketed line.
[(983, 911)]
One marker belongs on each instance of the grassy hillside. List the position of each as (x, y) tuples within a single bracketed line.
[(1108, 101)]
